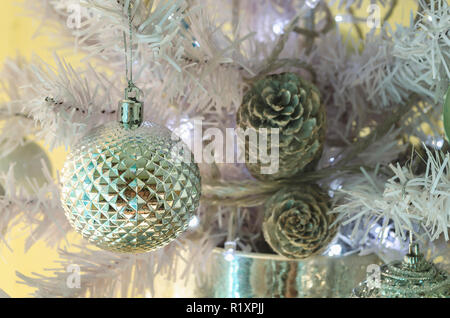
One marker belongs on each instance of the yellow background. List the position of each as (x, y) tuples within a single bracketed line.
[(16, 31)]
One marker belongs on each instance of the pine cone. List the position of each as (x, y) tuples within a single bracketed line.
[(292, 104), (296, 222)]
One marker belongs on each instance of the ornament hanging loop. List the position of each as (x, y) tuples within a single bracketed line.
[(131, 109), (129, 47), (132, 92)]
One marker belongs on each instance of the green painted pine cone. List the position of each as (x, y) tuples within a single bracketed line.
[(296, 222), (292, 104)]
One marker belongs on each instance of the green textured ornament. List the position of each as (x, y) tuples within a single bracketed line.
[(130, 186), (297, 223), (414, 277), (290, 103)]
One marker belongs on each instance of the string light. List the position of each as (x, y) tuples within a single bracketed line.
[(335, 185), (194, 222), (278, 27), (436, 143), (335, 250), (312, 3)]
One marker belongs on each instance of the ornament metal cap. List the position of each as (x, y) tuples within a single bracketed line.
[(131, 109)]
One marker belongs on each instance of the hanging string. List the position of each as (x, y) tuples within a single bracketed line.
[(129, 64), (131, 88)]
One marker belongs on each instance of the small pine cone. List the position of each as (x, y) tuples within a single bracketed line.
[(297, 223), (291, 104)]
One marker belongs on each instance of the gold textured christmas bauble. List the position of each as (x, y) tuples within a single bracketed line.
[(130, 190)]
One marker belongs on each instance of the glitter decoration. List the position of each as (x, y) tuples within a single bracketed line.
[(414, 277)]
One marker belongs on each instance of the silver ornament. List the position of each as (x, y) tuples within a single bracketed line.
[(414, 277), (129, 186)]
